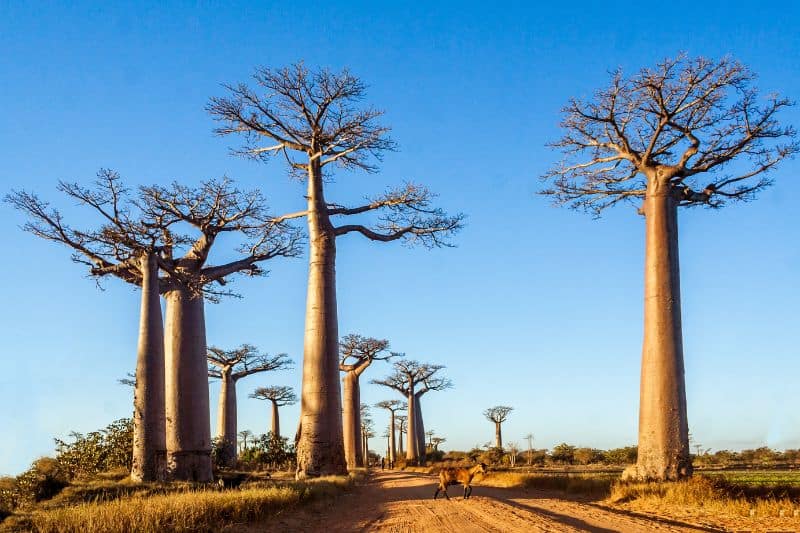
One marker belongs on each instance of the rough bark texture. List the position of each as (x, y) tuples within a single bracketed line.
[(320, 450), (226, 420), (187, 406), (498, 435), (663, 424), (351, 421), (149, 433)]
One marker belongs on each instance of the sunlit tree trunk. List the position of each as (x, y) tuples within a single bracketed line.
[(392, 448), (498, 435), (412, 446), (226, 419), (276, 421), (351, 420), (320, 449), (400, 452), (420, 431), (187, 404), (663, 426), (149, 433)]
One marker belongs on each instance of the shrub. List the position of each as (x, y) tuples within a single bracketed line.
[(108, 449), (43, 480), (621, 456), (563, 453)]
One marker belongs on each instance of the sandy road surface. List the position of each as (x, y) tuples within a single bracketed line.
[(403, 502)]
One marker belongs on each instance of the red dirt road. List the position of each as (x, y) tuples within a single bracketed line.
[(403, 502)]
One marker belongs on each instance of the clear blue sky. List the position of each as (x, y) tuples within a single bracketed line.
[(538, 307)]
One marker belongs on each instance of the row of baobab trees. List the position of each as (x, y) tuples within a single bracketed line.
[(688, 132)]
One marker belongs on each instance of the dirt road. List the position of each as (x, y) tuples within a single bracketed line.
[(403, 502)]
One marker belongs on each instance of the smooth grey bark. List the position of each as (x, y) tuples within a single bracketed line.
[(149, 432), (420, 429), (412, 448), (351, 421), (498, 435), (320, 450), (187, 405), (276, 423), (226, 419), (392, 446), (663, 423)]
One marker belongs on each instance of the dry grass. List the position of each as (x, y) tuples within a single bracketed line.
[(182, 509), (593, 485)]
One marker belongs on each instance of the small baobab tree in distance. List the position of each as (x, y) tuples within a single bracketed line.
[(513, 451), (392, 406), (413, 379), (401, 430), (229, 366), (529, 438), (356, 354), (436, 442), (498, 415), (367, 431), (316, 121), (688, 132), (243, 436), (278, 396)]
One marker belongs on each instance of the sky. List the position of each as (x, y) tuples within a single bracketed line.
[(537, 307)]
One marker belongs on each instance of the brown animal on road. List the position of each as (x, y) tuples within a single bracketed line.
[(454, 476)]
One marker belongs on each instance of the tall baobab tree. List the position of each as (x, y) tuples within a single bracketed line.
[(392, 406), (316, 122), (498, 415), (243, 436), (689, 132), (366, 431), (229, 366), (529, 438), (213, 209), (413, 379), (356, 354), (125, 245), (278, 396)]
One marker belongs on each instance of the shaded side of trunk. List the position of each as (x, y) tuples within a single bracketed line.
[(149, 431), (400, 452), (498, 435), (392, 449), (276, 421), (412, 445), (320, 449), (420, 431), (663, 424), (351, 421), (226, 420), (187, 404)]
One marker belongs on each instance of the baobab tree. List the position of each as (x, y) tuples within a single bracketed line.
[(401, 429), (436, 442), (213, 209), (278, 396), (316, 122), (513, 451), (125, 245), (413, 380), (356, 354), (243, 436), (529, 438), (498, 415), (229, 366), (689, 132), (393, 406), (366, 431)]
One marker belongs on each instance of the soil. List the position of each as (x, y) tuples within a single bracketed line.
[(395, 501)]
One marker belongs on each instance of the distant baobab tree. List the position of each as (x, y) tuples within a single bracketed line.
[(366, 432), (278, 396), (401, 429), (392, 406), (243, 436), (529, 438), (413, 380), (513, 451), (436, 442), (316, 122), (356, 354), (125, 245), (498, 415), (229, 366), (141, 237), (689, 132)]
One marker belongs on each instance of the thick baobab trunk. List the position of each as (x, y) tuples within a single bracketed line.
[(320, 450), (276, 421), (400, 451), (498, 435), (412, 448), (187, 409), (149, 433), (420, 430), (663, 425), (351, 421), (226, 420), (392, 449)]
